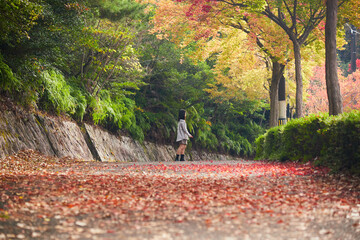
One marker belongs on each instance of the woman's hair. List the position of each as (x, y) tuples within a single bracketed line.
[(181, 114)]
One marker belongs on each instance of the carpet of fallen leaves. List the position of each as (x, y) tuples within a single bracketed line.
[(48, 198)]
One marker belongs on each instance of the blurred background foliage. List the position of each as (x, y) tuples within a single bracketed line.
[(95, 61)]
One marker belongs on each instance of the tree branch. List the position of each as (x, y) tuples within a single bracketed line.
[(294, 19), (267, 12), (291, 15), (313, 22)]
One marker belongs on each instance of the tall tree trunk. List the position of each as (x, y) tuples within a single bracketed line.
[(332, 82), (298, 78), (277, 72)]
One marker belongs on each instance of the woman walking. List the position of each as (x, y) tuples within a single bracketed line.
[(182, 136)]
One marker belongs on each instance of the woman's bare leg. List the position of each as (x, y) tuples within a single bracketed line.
[(178, 152), (183, 149)]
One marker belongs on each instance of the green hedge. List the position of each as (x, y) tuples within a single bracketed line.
[(331, 141)]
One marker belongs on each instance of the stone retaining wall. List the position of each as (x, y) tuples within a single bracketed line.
[(61, 138)]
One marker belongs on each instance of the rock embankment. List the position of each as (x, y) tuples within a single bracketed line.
[(63, 138)]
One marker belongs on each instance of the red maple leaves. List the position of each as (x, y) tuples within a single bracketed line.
[(357, 65), (113, 198), (317, 94)]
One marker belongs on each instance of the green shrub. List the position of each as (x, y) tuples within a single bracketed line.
[(272, 143), (113, 114), (57, 93), (250, 130), (206, 139), (8, 82), (334, 141), (341, 142), (136, 132), (158, 127), (301, 138), (243, 146), (231, 141), (259, 147), (32, 86), (80, 104)]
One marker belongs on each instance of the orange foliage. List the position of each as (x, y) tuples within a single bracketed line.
[(317, 100), (183, 22), (351, 91)]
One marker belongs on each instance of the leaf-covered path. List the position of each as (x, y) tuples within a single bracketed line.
[(47, 198)]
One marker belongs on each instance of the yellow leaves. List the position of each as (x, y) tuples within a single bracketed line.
[(4, 214), (350, 12), (340, 39), (254, 81), (250, 84), (239, 71), (240, 66), (274, 41), (139, 109)]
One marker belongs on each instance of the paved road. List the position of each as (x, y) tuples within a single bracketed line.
[(181, 200)]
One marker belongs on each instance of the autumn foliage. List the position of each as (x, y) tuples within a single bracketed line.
[(43, 197), (357, 65), (317, 95)]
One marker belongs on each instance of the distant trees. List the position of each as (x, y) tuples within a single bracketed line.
[(317, 100), (302, 22), (114, 62), (95, 61)]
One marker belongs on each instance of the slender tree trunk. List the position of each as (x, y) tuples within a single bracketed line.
[(277, 72), (332, 82), (298, 78)]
